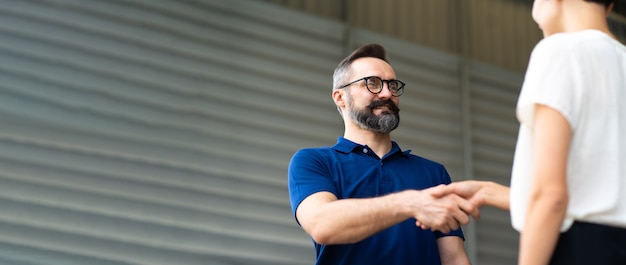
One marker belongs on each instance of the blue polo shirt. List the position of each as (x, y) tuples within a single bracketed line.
[(350, 170)]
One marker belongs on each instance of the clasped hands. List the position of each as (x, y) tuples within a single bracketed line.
[(448, 207)]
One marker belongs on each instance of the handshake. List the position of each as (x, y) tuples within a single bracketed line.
[(447, 207)]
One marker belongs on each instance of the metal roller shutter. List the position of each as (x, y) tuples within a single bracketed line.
[(157, 132), (494, 130)]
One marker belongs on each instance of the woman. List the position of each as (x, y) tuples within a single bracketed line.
[(568, 184)]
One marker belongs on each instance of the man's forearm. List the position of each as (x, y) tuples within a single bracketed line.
[(352, 220)]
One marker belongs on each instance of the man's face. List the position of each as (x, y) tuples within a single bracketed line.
[(374, 112)]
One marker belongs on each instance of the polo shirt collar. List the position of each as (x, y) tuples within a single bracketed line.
[(346, 146)]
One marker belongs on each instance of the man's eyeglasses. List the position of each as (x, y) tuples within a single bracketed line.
[(375, 85)]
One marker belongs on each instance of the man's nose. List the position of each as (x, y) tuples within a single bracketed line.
[(386, 92)]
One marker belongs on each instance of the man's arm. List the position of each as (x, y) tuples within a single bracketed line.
[(332, 221), (452, 251)]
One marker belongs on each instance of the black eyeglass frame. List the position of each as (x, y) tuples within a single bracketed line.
[(398, 92)]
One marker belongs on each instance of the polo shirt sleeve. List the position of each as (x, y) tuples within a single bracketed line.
[(308, 173)]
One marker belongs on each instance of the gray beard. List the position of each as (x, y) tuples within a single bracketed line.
[(366, 119)]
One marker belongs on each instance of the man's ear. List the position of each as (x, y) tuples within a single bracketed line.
[(339, 98)]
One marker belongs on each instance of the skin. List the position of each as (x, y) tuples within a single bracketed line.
[(478, 192), (329, 220), (549, 198), (552, 134)]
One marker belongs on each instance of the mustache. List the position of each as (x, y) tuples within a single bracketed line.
[(380, 103)]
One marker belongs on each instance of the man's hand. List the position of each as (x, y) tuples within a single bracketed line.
[(443, 213), (477, 193)]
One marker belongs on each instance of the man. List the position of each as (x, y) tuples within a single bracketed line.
[(568, 184), (359, 199)]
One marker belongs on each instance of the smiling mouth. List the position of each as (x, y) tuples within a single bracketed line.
[(384, 109)]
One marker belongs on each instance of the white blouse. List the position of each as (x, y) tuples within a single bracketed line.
[(583, 76)]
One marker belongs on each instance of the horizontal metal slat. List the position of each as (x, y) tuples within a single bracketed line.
[(132, 252)]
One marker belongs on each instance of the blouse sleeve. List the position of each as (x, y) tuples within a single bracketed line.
[(555, 77)]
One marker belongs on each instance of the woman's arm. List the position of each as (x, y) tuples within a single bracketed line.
[(549, 198), (480, 193)]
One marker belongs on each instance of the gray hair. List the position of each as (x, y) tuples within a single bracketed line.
[(343, 68), (342, 71)]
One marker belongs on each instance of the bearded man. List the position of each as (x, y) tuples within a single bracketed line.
[(360, 199)]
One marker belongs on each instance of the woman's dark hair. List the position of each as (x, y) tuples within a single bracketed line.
[(606, 3)]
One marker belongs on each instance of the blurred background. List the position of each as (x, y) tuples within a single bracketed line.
[(159, 131)]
